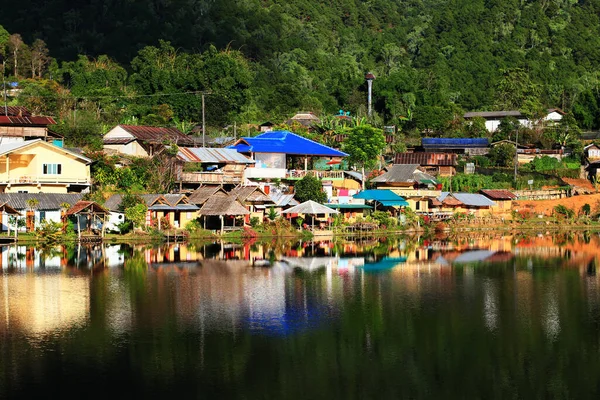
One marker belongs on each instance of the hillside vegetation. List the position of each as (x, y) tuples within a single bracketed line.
[(123, 61)]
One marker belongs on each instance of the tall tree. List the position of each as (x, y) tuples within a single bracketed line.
[(16, 44), (364, 146)]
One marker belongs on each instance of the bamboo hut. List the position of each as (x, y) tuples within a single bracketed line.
[(222, 206), (8, 210)]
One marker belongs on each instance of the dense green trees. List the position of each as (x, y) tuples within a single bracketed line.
[(265, 60)]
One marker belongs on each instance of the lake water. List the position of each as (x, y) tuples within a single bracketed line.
[(478, 317)]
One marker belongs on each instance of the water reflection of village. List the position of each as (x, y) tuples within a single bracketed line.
[(276, 287)]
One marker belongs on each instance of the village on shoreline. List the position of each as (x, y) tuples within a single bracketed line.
[(279, 183)]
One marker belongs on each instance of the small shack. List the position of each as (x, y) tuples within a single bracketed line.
[(222, 207), (90, 216)]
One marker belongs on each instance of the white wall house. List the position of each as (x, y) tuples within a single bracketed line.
[(494, 118)]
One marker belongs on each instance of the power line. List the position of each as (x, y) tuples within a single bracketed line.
[(116, 96)]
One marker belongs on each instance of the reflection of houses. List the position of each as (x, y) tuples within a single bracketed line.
[(49, 206), (285, 155), (410, 182), (437, 164), (36, 166), (470, 146), (143, 141), (45, 303), (494, 118)]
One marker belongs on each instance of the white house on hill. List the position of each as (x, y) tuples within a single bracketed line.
[(493, 118)]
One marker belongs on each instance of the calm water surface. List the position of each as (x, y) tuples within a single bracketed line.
[(482, 317)]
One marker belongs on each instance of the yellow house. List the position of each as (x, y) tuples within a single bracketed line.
[(35, 166), (410, 182)]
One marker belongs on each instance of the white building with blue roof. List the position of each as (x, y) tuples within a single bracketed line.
[(285, 155)]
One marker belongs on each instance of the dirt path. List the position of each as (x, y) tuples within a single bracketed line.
[(547, 206)]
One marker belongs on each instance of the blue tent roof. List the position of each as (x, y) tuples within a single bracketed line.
[(384, 196), (453, 142), (284, 142), (384, 264)]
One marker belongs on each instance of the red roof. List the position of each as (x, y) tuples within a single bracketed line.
[(17, 115), (426, 158), (498, 194), (158, 134), (82, 205)]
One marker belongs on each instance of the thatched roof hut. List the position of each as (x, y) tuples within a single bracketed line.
[(222, 206)]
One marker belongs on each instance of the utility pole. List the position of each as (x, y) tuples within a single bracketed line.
[(4, 83), (516, 156), (203, 123)]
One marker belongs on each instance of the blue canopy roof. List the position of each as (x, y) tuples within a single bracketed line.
[(455, 142), (384, 264), (284, 142), (384, 196)]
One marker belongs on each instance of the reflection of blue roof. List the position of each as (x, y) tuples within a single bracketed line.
[(384, 196), (384, 264), (284, 142), (293, 320), (454, 142)]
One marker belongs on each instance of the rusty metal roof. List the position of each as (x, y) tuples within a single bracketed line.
[(426, 158), (498, 194), (91, 206), (212, 155), (11, 120), (15, 111), (158, 134)]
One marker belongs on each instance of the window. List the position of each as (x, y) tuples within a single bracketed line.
[(23, 191), (52, 169), (42, 215)]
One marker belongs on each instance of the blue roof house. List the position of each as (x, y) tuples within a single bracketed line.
[(284, 154)]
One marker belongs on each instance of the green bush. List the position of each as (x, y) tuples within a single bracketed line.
[(254, 222), (564, 211)]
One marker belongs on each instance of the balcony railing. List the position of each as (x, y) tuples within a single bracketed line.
[(210, 177), (298, 174), (45, 179)]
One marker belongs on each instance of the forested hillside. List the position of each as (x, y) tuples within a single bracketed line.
[(267, 59)]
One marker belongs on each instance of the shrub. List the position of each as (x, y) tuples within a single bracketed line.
[(254, 222), (564, 211)]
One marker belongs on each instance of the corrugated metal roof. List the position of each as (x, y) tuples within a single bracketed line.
[(469, 199), (354, 174), (158, 134), (284, 142), (46, 201), (497, 194), (426, 158), (212, 155), (15, 111), (454, 142), (283, 199), (407, 173), (492, 114), (310, 207), (40, 121)]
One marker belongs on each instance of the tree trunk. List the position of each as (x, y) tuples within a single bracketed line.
[(363, 177)]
